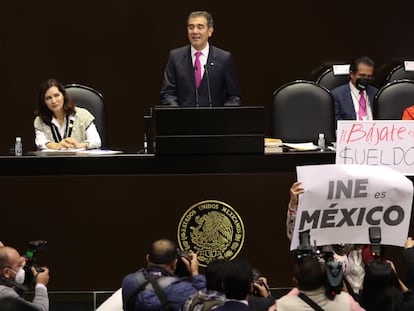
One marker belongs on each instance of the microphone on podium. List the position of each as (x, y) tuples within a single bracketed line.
[(208, 85)]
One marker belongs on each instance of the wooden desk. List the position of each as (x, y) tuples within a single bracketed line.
[(148, 164)]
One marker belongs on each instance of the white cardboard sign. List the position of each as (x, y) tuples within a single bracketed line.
[(341, 203), (377, 142)]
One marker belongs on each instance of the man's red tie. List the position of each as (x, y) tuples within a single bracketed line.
[(197, 66), (362, 113)]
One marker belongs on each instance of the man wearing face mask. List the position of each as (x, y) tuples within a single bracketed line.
[(12, 276), (354, 100)]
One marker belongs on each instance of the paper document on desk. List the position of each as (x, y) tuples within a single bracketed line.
[(69, 151), (99, 152), (301, 146), (78, 151), (273, 142)]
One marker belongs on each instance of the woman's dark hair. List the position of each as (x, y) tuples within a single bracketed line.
[(42, 110), (381, 289)]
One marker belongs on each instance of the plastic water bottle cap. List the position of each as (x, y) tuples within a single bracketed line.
[(18, 139)]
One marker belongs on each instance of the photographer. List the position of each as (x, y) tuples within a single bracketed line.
[(310, 292), (261, 298), (13, 276), (157, 287), (351, 256), (383, 290)]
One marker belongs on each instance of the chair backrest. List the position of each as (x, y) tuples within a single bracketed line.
[(92, 100), (399, 73), (392, 99), (329, 80), (301, 110)]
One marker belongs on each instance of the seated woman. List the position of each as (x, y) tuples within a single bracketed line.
[(59, 124), (408, 113)]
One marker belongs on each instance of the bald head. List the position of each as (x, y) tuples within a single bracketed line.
[(6, 254), (9, 259), (162, 252)]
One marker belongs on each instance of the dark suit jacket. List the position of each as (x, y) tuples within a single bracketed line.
[(344, 106), (233, 306), (179, 80)]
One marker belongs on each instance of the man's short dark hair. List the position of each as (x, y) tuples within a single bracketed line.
[(163, 252), (204, 14), (214, 274), (361, 60), (309, 273), (238, 279)]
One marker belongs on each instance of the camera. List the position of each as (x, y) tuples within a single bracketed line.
[(375, 240), (256, 279), (333, 270), (184, 254), (31, 259), (181, 269)]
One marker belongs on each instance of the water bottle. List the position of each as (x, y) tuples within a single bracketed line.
[(18, 147), (321, 141), (145, 144)]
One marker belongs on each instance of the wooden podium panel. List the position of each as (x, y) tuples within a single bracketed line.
[(209, 130), (104, 211)]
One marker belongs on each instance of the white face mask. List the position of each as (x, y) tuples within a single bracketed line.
[(20, 275)]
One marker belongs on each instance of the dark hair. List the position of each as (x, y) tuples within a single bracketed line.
[(163, 252), (361, 60), (214, 274), (42, 110), (205, 14), (381, 288), (309, 273), (238, 279)]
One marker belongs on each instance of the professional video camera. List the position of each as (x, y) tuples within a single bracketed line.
[(333, 269), (375, 240), (30, 257)]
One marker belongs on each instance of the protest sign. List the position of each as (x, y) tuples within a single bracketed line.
[(341, 203), (386, 143)]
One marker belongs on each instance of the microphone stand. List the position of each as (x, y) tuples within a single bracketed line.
[(196, 89), (208, 85)]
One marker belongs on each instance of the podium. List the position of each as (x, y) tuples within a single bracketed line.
[(208, 130)]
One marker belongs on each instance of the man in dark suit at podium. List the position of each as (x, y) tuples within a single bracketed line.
[(200, 74), (354, 100)]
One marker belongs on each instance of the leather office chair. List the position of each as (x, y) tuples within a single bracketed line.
[(329, 80), (399, 73), (301, 110), (392, 99), (92, 100)]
